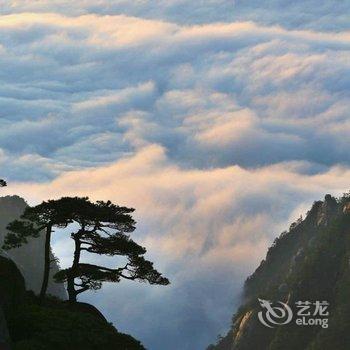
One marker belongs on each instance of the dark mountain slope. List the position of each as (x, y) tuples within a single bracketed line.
[(310, 262), (12, 291), (53, 325)]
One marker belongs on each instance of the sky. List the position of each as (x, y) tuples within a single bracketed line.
[(219, 121)]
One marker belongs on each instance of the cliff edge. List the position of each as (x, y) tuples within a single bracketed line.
[(307, 266)]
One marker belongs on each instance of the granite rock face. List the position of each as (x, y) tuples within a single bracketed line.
[(310, 262), (30, 257)]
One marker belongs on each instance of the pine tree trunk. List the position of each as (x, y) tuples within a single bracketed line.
[(47, 264), (72, 294)]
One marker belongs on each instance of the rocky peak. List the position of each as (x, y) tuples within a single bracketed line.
[(308, 262), (326, 210), (346, 208)]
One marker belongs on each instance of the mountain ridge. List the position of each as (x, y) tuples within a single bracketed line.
[(310, 261)]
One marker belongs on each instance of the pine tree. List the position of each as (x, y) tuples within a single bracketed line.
[(103, 230)]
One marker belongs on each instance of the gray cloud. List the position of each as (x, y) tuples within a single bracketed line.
[(103, 73), (328, 15)]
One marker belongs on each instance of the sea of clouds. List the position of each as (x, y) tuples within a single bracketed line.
[(219, 121)]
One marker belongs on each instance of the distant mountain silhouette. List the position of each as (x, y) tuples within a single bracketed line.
[(30, 257)]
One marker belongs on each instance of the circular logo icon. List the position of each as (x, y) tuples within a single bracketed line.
[(277, 315)]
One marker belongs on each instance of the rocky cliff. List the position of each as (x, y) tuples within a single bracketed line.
[(30, 257), (12, 290), (309, 263), (26, 324)]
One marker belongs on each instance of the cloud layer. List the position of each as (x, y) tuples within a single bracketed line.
[(328, 15), (205, 229), (219, 122), (81, 90)]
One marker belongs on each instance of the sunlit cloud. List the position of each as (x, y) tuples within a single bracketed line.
[(196, 224)]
